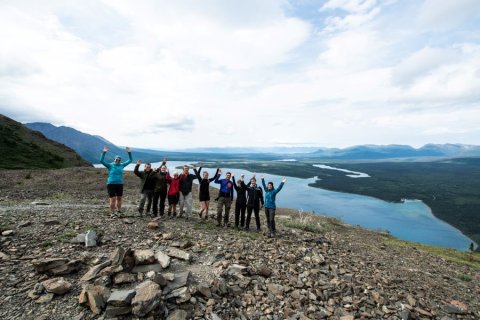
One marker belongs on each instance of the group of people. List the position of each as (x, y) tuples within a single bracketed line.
[(158, 185)]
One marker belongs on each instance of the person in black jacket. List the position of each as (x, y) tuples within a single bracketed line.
[(241, 202), (147, 185), (204, 190), (254, 200), (186, 198), (161, 188)]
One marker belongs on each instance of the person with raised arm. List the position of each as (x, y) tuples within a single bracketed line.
[(161, 189), (147, 185), (115, 179), (241, 202), (254, 202), (270, 207), (204, 189), (225, 197), (186, 197), (173, 192)]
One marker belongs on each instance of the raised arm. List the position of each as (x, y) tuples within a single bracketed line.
[(137, 173), (197, 173), (280, 186), (218, 176), (263, 183), (215, 176), (102, 158), (234, 183), (130, 159)]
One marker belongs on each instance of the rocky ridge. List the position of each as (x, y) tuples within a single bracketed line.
[(188, 269)]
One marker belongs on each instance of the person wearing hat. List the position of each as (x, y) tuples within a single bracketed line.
[(115, 179)]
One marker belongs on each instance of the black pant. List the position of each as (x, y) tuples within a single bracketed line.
[(256, 210), (240, 208), (162, 195), (270, 214)]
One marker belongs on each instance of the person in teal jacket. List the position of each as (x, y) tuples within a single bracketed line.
[(115, 179), (270, 207)]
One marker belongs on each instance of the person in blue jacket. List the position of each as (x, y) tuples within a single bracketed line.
[(225, 197), (270, 195), (115, 179)]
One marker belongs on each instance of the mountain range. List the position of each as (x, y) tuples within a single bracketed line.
[(23, 148), (90, 146)]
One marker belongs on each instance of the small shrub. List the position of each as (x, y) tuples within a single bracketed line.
[(464, 277)]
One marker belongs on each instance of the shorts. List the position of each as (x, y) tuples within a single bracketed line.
[(115, 190), (173, 199)]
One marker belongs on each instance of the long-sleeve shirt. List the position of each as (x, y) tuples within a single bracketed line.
[(187, 182), (174, 188), (147, 178), (241, 191), (270, 195), (115, 171), (254, 195), (226, 187)]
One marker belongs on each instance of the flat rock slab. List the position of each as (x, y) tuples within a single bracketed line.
[(147, 267), (7, 233), (181, 280), (43, 265), (178, 315), (148, 297), (95, 297), (179, 254), (180, 295), (121, 298), (91, 239), (113, 311), (57, 286), (80, 238), (124, 278), (117, 256), (45, 298), (51, 222), (163, 259), (24, 224), (93, 272), (144, 256)]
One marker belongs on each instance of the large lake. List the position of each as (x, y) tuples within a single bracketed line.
[(410, 220)]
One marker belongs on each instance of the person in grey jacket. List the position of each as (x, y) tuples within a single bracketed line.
[(270, 207)]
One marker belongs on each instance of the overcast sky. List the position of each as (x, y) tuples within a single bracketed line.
[(198, 73)]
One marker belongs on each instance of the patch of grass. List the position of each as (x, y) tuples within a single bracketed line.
[(248, 234), (464, 277), (460, 257), (47, 244), (311, 223), (60, 196), (204, 226), (66, 235), (91, 227)]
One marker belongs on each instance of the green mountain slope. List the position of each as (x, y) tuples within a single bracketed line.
[(21, 148)]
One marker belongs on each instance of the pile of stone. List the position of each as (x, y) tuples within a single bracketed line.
[(132, 282)]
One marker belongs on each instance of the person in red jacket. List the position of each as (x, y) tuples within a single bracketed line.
[(173, 192)]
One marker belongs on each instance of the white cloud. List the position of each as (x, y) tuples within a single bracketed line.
[(216, 73), (447, 14)]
